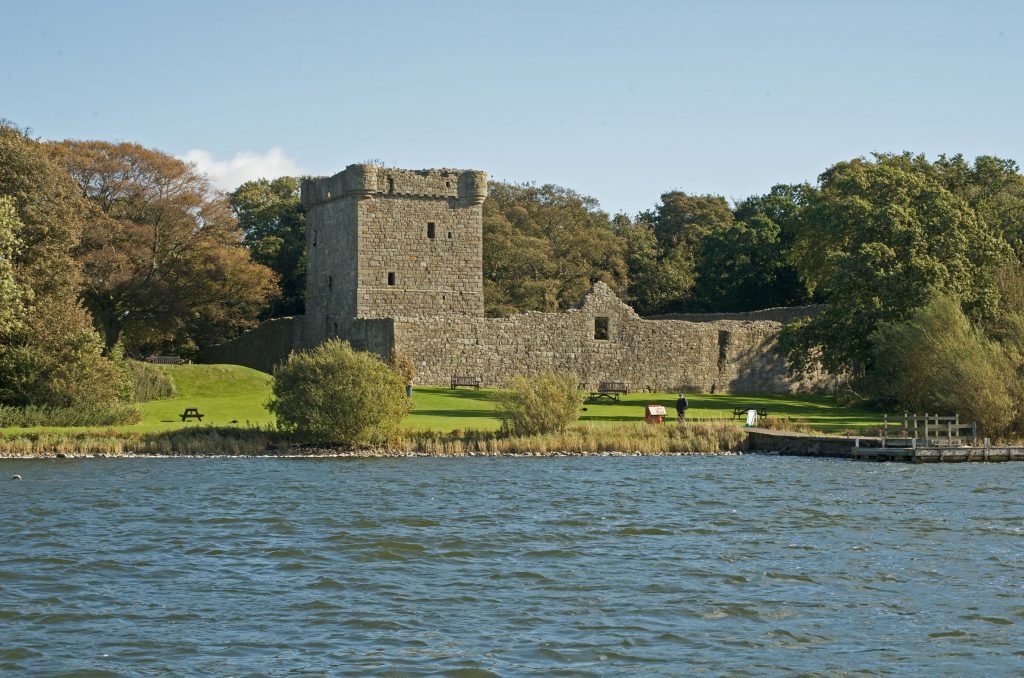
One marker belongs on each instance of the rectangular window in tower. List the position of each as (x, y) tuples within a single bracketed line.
[(601, 329), (449, 235), (330, 282), (430, 230), (391, 277)]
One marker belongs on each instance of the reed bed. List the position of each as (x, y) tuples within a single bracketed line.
[(197, 442), (689, 438), (696, 438), (97, 414)]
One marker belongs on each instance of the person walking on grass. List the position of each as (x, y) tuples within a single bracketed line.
[(681, 404)]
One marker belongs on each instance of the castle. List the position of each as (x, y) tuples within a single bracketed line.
[(395, 262)]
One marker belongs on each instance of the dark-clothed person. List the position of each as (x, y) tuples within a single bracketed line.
[(681, 406)]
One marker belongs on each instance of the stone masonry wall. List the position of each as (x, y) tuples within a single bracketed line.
[(663, 355), (392, 243), (260, 349)]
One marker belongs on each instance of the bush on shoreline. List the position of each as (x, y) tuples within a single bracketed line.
[(332, 394), (545, 403)]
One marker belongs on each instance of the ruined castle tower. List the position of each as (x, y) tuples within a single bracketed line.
[(390, 243)]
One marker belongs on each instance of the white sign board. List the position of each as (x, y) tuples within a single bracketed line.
[(751, 417)]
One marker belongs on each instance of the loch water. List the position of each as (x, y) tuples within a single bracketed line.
[(744, 565)]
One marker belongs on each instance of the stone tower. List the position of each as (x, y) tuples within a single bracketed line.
[(390, 243)]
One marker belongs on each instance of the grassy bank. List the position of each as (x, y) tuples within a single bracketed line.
[(442, 409), (233, 401)]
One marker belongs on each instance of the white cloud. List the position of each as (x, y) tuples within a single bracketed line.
[(228, 175)]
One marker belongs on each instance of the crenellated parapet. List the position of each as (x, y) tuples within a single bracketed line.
[(365, 181)]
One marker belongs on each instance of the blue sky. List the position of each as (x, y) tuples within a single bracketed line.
[(619, 100)]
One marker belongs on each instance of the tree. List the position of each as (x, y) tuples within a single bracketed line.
[(332, 394), (658, 281), (274, 223), (164, 265), (937, 361), (687, 219), (878, 241), (13, 293), (52, 355), (544, 247)]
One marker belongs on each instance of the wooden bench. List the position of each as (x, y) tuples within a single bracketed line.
[(191, 413), (166, 360), (741, 412), (465, 380), (610, 390)]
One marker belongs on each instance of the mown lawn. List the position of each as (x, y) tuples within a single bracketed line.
[(229, 395), (445, 410)]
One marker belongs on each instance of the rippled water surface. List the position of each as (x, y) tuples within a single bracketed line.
[(739, 565)]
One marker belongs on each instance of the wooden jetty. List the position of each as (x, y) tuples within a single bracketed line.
[(867, 448)]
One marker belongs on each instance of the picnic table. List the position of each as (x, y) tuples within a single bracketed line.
[(610, 390), (191, 413), (741, 412)]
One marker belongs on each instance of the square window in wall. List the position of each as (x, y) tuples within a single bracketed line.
[(601, 329), (391, 277), (431, 230)]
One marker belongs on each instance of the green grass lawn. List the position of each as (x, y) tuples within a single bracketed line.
[(445, 410), (231, 393)]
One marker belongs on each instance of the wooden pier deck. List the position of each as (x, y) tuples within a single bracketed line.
[(864, 448)]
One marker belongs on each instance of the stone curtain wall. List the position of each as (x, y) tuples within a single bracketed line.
[(260, 349), (782, 314), (726, 356)]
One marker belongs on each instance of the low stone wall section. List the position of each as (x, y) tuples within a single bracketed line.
[(781, 314), (260, 348), (649, 355)]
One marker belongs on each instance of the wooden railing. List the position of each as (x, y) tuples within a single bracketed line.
[(928, 430)]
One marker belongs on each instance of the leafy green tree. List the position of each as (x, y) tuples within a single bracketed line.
[(878, 241), (13, 293), (659, 281), (164, 263), (53, 357), (938, 361), (274, 223), (686, 219), (544, 246), (332, 394)]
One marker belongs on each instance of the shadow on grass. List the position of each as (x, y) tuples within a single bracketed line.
[(427, 412)]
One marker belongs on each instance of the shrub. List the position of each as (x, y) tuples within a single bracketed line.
[(545, 403), (333, 394), (936, 361), (94, 414), (403, 365), (148, 381)]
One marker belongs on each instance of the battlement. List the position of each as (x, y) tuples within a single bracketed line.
[(364, 181)]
